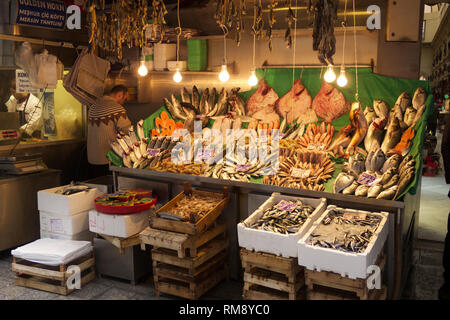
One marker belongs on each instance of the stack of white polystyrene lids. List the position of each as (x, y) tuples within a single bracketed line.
[(53, 252)]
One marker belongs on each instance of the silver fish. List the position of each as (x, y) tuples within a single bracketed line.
[(185, 96), (378, 160), (410, 115), (351, 189), (418, 115), (361, 191), (211, 99), (369, 160), (343, 180), (405, 160), (388, 194), (117, 149), (387, 176), (393, 136), (195, 98), (140, 129), (381, 108), (404, 101), (404, 182), (374, 135), (392, 162), (419, 98), (204, 101), (374, 191), (175, 108), (392, 182), (356, 164), (370, 114)]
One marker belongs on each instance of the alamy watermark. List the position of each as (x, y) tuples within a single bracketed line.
[(374, 20)]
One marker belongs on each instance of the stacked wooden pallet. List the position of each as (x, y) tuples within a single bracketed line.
[(53, 278), (332, 286), (185, 265), (189, 259), (271, 277)]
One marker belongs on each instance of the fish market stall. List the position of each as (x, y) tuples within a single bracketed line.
[(362, 155)]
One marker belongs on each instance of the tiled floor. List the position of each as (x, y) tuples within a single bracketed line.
[(425, 280)]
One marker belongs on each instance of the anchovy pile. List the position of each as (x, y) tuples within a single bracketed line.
[(343, 238), (283, 221)]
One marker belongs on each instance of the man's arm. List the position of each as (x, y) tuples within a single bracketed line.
[(123, 124), (34, 119)]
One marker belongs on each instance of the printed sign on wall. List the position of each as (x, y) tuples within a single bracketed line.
[(41, 13), (23, 84)]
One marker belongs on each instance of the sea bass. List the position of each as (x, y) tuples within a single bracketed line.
[(374, 136), (393, 136)]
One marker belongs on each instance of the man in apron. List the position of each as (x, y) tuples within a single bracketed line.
[(30, 109)]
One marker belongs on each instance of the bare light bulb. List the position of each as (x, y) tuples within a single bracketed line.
[(253, 80), (177, 76), (342, 79), (142, 71), (329, 76), (224, 75)]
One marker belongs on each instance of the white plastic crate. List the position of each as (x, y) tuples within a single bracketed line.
[(276, 243), (347, 264), (82, 236), (62, 205), (68, 225), (122, 226)]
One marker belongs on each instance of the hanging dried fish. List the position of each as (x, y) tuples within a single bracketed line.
[(324, 41), (272, 21), (290, 18), (240, 22)]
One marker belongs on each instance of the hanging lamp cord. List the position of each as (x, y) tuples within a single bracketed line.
[(344, 25), (356, 58), (179, 32)]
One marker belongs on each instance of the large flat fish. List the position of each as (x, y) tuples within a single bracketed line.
[(296, 105), (330, 103), (263, 96)]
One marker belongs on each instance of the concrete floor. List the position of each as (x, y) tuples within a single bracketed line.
[(424, 281)]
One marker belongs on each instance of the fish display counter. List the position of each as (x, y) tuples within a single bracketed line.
[(358, 148)]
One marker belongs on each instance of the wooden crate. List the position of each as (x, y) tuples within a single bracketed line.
[(122, 243), (268, 276), (51, 278), (332, 286), (185, 245), (186, 227), (179, 282)]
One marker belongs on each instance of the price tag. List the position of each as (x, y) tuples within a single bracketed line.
[(286, 206), (313, 146), (355, 216), (278, 137), (153, 152), (300, 173), (367, 179), (207, 154), (243, 167), (56, 225)]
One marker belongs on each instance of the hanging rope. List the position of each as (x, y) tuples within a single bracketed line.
[(225, 33), (179, 32), (344, 24), (356, 59), (295, 41)]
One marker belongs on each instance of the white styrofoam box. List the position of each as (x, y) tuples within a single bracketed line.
[(164, 52), (83, 235), (68, 225), (173, 65), (276, 243), (62, 205), (122, 226), (352, 265)]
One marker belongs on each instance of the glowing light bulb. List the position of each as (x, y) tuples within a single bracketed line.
[(329, 76), (142, 71), (253, 80), (177, 76), (224, 75), (342, 79)]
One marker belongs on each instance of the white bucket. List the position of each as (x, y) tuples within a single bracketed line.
[(164, 52)]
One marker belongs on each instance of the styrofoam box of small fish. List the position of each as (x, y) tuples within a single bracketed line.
[(274, 242), (348, 264), (66, 205)]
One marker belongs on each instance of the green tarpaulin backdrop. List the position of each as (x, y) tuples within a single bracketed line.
[(371, 87)]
